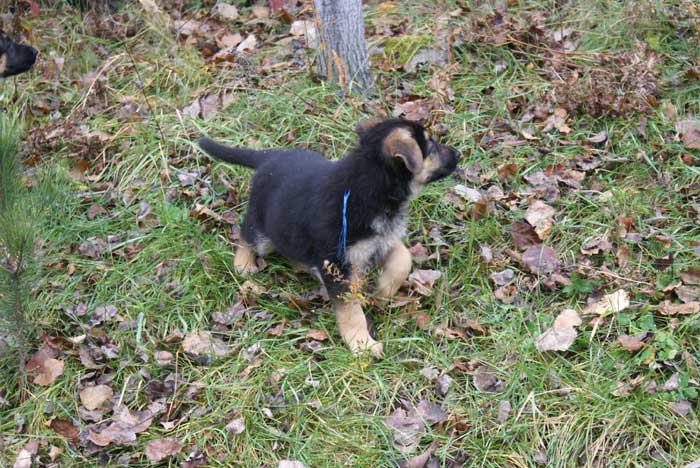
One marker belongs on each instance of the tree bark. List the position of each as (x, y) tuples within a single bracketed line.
[(341, 45)]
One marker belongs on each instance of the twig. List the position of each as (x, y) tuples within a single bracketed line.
[(143, 92), (613, 275)]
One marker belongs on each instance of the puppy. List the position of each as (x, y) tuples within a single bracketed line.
[(15, 58), (338, 218)]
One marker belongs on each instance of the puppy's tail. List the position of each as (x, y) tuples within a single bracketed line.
[(241, 156)]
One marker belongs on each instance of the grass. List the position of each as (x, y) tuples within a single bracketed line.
[(326, 408)]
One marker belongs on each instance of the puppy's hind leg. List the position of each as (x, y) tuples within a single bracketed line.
[(244, 261), (395, 269)]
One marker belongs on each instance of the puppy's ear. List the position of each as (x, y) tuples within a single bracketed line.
[(365, 125), (399, 143)]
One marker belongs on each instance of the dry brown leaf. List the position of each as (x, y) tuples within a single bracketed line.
[(468, 193), (625, 388), (163, 358), (556, 339), (124, 426), (318, 335), (248, 44), (567, 318), (557, 121), (630, 343), (598, 137), (487, 382), (610, 303), (160, 449), (690, 132), (227, 11), (23, 460), (422, 280), (209, 105), (419, 461), (503, 410), (501, 278), (506, 294), (94, 397), (261, 11), (523, 235), (290, 464), (681, 408), (237, 426), (668, 308), (691, 276), (541, 260), (65, 428), (203, 343), (49, 370), (539, 215)]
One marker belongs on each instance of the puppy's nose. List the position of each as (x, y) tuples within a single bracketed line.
[(455, 153)]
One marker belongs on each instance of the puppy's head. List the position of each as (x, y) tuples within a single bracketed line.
[(15, 58), (407, 148)]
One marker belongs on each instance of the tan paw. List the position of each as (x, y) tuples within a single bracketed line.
[(244, 262), (367, 344)]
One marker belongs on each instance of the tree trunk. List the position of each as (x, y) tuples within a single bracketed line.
[(341, 45)]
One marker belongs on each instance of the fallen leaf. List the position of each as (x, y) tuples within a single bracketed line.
[(671, 384), (47, 371), (506, 294), (203, 343), (160, 449), (442, 385), (95, 210), (610, 303), (623, 389), (691, 276), (567, 318), (507, 171), (487, 382), (681, 408), (260, 11), (227, 11), (523, 235), (598, 137), (630, 343), (539, 215), (124, 426), (23, 460), (668, 308), (422, 280), (503, 410), (209, 105), (65, 428), (469, 194), (318, 335), (93, 397), (290, 464), (419, 461), (163, 358), (233, 314), (540, 260), (556, 339), (690, 132), (249, 43), (688, 294), (503, 277), (558, 121), (237, 426)]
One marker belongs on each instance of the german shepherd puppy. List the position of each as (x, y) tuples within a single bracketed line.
[(15, 58), (338, 218)]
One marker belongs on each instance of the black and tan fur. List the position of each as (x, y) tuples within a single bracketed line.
[(15, 58), (296, 204)]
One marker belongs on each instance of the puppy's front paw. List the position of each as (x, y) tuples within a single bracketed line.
[(367, 344), (244, 262)]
